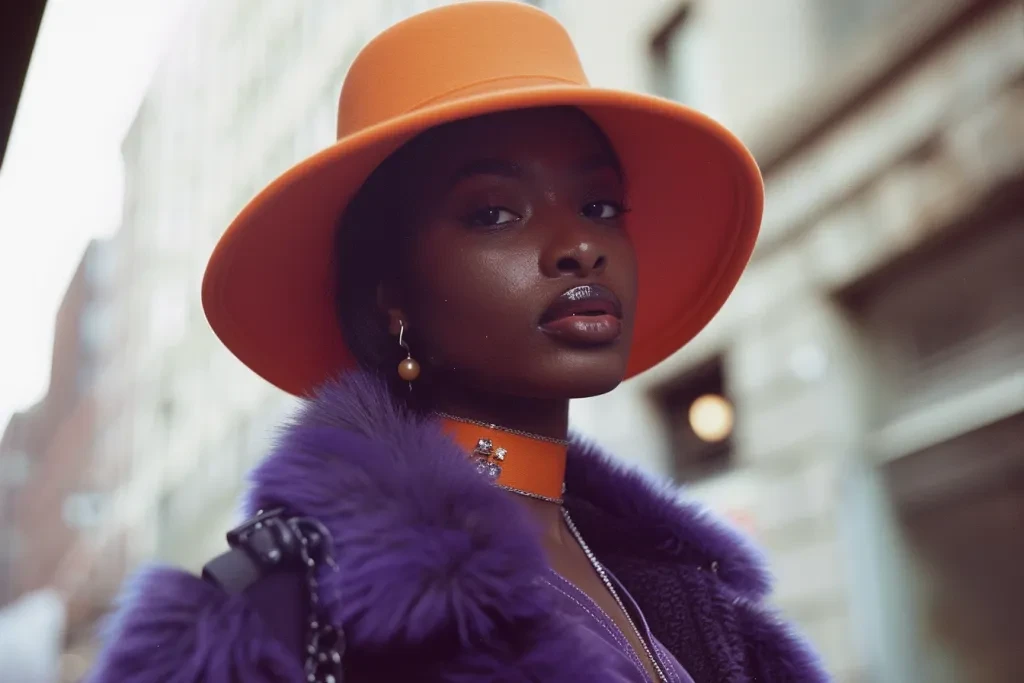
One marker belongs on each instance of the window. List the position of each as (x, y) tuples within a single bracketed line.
[(672, 56), (701, 418), (844, 22), (948, 317)]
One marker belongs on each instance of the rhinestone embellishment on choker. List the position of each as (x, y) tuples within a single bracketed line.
[(489, 458)]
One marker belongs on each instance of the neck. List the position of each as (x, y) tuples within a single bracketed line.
[(544, 417), (529, 466), (548, 518)]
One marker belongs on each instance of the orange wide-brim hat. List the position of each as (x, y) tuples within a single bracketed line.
[(695, 191)]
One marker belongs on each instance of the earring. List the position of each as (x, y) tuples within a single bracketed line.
[(408, 369)]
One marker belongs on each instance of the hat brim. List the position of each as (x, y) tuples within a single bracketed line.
[(696, 196)]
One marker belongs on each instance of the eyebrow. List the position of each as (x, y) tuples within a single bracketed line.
[(509, 169), (498, 167), (602, 161)]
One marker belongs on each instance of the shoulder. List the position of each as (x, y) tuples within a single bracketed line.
[(168, 619)]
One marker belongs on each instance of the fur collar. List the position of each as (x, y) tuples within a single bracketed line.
[(427, 547), (439, 567)]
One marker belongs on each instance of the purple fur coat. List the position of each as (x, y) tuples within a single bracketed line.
[(439, 571)]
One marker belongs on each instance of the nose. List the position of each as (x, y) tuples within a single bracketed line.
[(574, 252)]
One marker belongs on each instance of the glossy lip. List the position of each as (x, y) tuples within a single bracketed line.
[(583, 300), (585, 315)]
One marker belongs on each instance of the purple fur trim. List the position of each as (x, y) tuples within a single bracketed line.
[(655, 525), (778, 653), (425, 554), (175, 627), (439, 572)]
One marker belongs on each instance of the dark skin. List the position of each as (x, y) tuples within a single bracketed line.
[(507, 212)]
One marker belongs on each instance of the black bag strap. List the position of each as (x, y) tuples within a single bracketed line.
[(273, 560), (260, 545), (233, 571)]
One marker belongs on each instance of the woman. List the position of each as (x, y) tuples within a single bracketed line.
[(489, 238)]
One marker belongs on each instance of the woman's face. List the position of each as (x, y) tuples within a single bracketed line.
[(521, 279)]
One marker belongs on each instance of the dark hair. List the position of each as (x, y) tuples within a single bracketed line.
[(370, 246)]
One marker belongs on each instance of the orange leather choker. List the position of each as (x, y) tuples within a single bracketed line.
[(519, 462)]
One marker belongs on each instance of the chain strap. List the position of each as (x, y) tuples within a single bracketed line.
[(325, 645), (277, 541)]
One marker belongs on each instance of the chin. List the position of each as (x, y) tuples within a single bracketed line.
[(582, 374), (593, 387)]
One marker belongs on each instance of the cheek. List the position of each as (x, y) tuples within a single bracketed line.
[(630, 270), (469, 306)]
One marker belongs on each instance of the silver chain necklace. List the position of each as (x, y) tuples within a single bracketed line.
[(530, 494), (606, 580)]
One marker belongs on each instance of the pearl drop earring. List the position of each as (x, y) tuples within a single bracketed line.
[(408, 369)]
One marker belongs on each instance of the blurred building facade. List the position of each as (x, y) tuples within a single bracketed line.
[(872, 354), (870, 357), (49, 493)]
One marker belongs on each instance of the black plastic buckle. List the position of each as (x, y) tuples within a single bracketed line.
[(273, 539)]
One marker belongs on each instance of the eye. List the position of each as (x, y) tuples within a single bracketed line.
[(492, 216), (604, 210)]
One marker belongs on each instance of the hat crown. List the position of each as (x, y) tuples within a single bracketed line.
[(454, 52)]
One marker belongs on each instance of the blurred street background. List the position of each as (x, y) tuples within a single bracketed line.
[(858, 406)]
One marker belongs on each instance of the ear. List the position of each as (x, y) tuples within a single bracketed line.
[(396, 318), (386, 302)]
